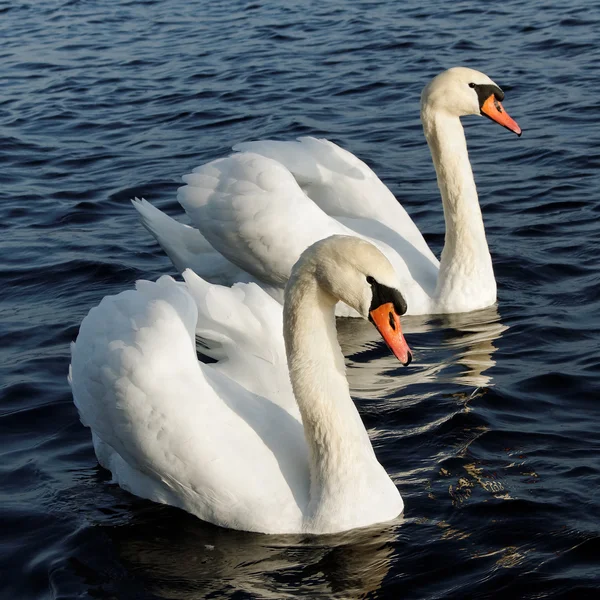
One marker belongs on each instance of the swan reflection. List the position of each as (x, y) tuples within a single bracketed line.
[(179, 556), (455, 348)]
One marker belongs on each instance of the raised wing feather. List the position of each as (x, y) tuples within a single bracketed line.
[(251, 209), (246, 326), (341, 184)]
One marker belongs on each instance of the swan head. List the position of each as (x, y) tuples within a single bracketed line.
[(461, 91), (354, 271)]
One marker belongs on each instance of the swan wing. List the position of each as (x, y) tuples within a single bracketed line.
[(242, 327), (176, 431), (340, 183), (251, 209)]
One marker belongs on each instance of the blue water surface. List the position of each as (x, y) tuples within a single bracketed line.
[(492, 434)]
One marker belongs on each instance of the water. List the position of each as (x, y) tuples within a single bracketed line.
[(492, 434)]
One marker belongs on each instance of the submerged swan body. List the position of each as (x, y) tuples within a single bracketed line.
[(241, 443), (255, 211)]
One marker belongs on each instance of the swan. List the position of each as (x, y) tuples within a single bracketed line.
[(258, 209), (231, 442)]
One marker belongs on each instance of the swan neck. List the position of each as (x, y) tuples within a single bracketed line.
[(466, 264), (337, 440)]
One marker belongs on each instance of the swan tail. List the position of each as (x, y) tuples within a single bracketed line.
[(185, 246)]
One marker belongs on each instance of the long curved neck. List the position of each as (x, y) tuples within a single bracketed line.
[(466, 277), (340, 450)]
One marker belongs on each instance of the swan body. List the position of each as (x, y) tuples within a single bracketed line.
[(267, 438), (258, 209)]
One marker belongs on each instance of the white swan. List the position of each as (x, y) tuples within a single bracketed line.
[(231, 442), (257, 210)]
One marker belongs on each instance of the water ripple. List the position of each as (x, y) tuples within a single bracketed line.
[(492, 435)]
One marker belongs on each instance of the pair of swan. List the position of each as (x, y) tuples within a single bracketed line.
[(267, 438), (255, 211)]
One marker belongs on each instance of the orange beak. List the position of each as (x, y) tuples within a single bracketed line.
[(495, 111), (387, 321)]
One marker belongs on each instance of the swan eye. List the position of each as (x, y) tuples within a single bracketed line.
[(472, 85), (370, 280)]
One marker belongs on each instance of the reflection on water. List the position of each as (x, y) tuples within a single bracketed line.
[(202, 559), (447, 348)]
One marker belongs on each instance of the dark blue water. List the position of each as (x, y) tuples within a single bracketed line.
[(492, 435)]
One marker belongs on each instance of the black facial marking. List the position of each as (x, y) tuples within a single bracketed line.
[(382, 294), (485, 90)]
